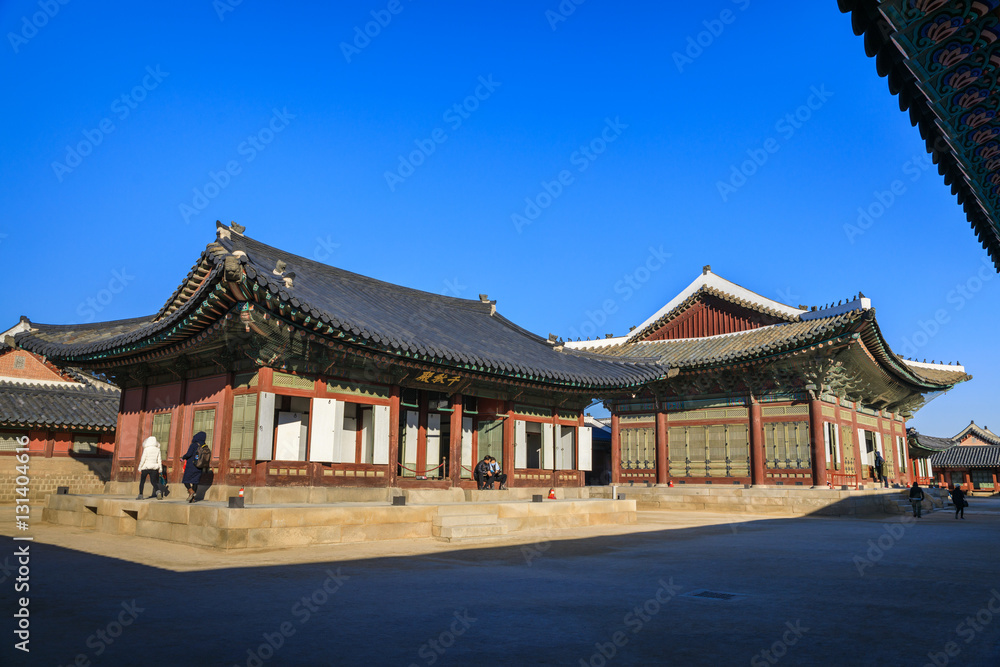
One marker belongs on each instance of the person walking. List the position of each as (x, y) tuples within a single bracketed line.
[(149, 466), (958, 498), (880, 468), (917, 500), (192, 473)]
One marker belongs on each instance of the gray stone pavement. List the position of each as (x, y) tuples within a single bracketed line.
[(811, 591)]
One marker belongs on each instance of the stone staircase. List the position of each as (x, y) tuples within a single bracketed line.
[(464, 524)]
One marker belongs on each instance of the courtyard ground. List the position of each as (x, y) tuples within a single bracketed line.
[(808, 591)]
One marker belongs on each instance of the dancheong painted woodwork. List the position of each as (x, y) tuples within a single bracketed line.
[(942, 58)]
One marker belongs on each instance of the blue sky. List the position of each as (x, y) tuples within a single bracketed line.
[(492, 147)]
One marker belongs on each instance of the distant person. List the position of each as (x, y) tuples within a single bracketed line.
[(917, 499), (192, 473), (482, 473), (149, 466), (497, 474), (880, 469), (958, 498)]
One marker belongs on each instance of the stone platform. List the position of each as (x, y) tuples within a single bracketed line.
[(211, 523), (776, 500)]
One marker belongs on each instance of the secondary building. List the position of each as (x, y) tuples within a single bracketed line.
[(759, 392)]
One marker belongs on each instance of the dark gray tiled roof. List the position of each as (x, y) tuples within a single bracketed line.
[(731, 348), (444, 330), (929, 442), (57, 405), (968, 456)]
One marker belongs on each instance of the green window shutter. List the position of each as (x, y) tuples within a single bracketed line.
[(204, 420), (161, 431), (244, 423)]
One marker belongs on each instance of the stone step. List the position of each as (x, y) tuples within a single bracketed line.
[(453, 533), (466, 520)]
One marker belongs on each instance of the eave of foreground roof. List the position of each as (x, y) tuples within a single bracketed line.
[(941, 60)]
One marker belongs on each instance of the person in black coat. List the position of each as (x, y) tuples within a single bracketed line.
[(958, 498), (192, 473), (917, 499)]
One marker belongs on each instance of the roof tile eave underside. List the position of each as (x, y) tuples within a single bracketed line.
[(891, 364), (890, 63)]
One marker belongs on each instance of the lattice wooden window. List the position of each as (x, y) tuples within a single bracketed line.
[(847, 447), (786, 445), (241, 440), (8, 441), (290, 381), (901, 448), (161, 431), (638, 448), (204, 420), (716, 450), (246, 380), (84, 444)]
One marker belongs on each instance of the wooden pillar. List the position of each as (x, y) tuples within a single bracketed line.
[(662, 461), (226, 405), (508, 443), (616, 449), (756, 443), (455, 444), (393, 434), (177, 424), (50, 444), (818, 450), (422, 402)]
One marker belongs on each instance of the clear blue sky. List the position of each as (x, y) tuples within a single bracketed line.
[(309, 128)]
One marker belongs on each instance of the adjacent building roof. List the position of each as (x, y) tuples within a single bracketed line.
[(64, 406), (979, 432), (968, 456), (795, 329), (351, 308), (942, 58)]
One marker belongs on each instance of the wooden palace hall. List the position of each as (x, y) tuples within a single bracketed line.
[(759, 392), (308, 375)]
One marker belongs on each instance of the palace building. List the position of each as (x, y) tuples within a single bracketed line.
[(759, 392), (304, 374), (971, 458)]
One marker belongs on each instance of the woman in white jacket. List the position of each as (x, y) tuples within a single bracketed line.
[(150, 465)]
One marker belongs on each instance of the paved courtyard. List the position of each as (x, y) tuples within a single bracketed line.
[(809, 591)]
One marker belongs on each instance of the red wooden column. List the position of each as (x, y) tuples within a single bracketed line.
[(50, 444), (393, 434), (756, 443), (422, 436), (508, 444), (662, 461), (455, 445), (817, 450), (226, 406), (616, 449)]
